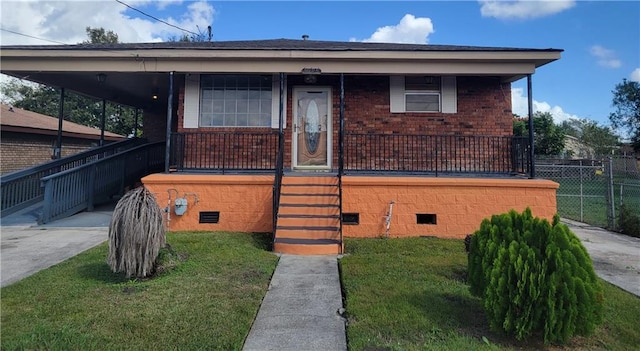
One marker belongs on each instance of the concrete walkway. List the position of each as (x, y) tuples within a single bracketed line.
[(301, 309)]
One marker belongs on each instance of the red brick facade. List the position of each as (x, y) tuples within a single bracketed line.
[(483, 108)]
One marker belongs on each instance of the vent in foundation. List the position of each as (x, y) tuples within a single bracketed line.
[(425, 218), (209, 217), (351, 218)]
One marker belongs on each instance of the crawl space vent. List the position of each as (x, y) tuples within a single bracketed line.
[(351, 218), (209, 217), (425, 218)]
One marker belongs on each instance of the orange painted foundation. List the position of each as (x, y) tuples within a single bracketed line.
[(243, 201), (459, 205)]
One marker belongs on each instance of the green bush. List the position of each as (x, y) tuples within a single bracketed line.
[(629, 221), (534, 277)]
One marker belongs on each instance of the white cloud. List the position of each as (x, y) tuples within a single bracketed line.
[(523, 9), (65, 21), (606, 58), (519, 106), (635, 75), (410, 30)]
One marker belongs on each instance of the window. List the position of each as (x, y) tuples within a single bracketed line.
[(232, 100), (235, 101), (423, 94)]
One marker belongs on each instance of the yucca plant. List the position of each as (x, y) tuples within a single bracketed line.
[(136, 234)]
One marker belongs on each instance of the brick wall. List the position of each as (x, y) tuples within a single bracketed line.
[(19, 150), (484, 108)]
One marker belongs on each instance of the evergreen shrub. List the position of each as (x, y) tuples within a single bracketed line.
[(534, 277)]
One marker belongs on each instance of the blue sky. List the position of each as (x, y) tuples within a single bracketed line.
[(601, 39)]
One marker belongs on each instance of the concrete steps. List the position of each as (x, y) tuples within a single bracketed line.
[(308, 220)]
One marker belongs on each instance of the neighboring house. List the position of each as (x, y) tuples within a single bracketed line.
[(576, 149), (318, 139), (28, 138)]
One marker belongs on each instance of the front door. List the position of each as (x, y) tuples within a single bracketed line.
[(311, 143)]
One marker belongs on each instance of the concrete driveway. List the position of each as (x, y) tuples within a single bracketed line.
[(616, 257), (27, 248)]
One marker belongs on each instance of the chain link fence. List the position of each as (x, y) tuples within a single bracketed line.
[(592, 191)]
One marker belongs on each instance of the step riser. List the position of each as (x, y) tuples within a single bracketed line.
[(309, 180), (307, 234), (300, 249), (309, 200), (309, 210), (309, 222), (308, 190)]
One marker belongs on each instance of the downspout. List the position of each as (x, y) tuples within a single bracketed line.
[(57, 151), (102, 121), (167, 151), (531, 150)]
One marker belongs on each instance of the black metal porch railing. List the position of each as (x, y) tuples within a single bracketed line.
[(224, 151), (436, 154), (82, 187), (22, 188)]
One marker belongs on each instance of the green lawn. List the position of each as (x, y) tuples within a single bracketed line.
[(207, 302), (410, 294), (401, 294)]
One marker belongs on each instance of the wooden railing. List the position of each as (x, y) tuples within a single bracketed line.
[(80, 188), (22, 188)]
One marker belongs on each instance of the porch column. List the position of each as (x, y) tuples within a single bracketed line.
[(102, 121), (167, 151), (57, 151), (341, 130), (531, 151)]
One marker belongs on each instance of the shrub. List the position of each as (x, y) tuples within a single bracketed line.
[(534, 277), (629, 221), (136, 234)]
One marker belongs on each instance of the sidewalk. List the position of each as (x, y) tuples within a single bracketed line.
[(616, 257), (301, 309)]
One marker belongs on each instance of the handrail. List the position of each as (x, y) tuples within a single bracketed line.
[(73, 190), (21, 189), (341, 156), (277, 182)]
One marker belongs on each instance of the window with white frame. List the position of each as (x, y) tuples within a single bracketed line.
[(420, 93), (235, 101), (232, 100)]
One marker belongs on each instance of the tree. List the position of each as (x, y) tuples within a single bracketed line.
[(626, 101), (100, 36), (548, 137)]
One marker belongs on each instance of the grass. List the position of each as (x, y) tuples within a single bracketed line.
[(208, 301), (410, 294)]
